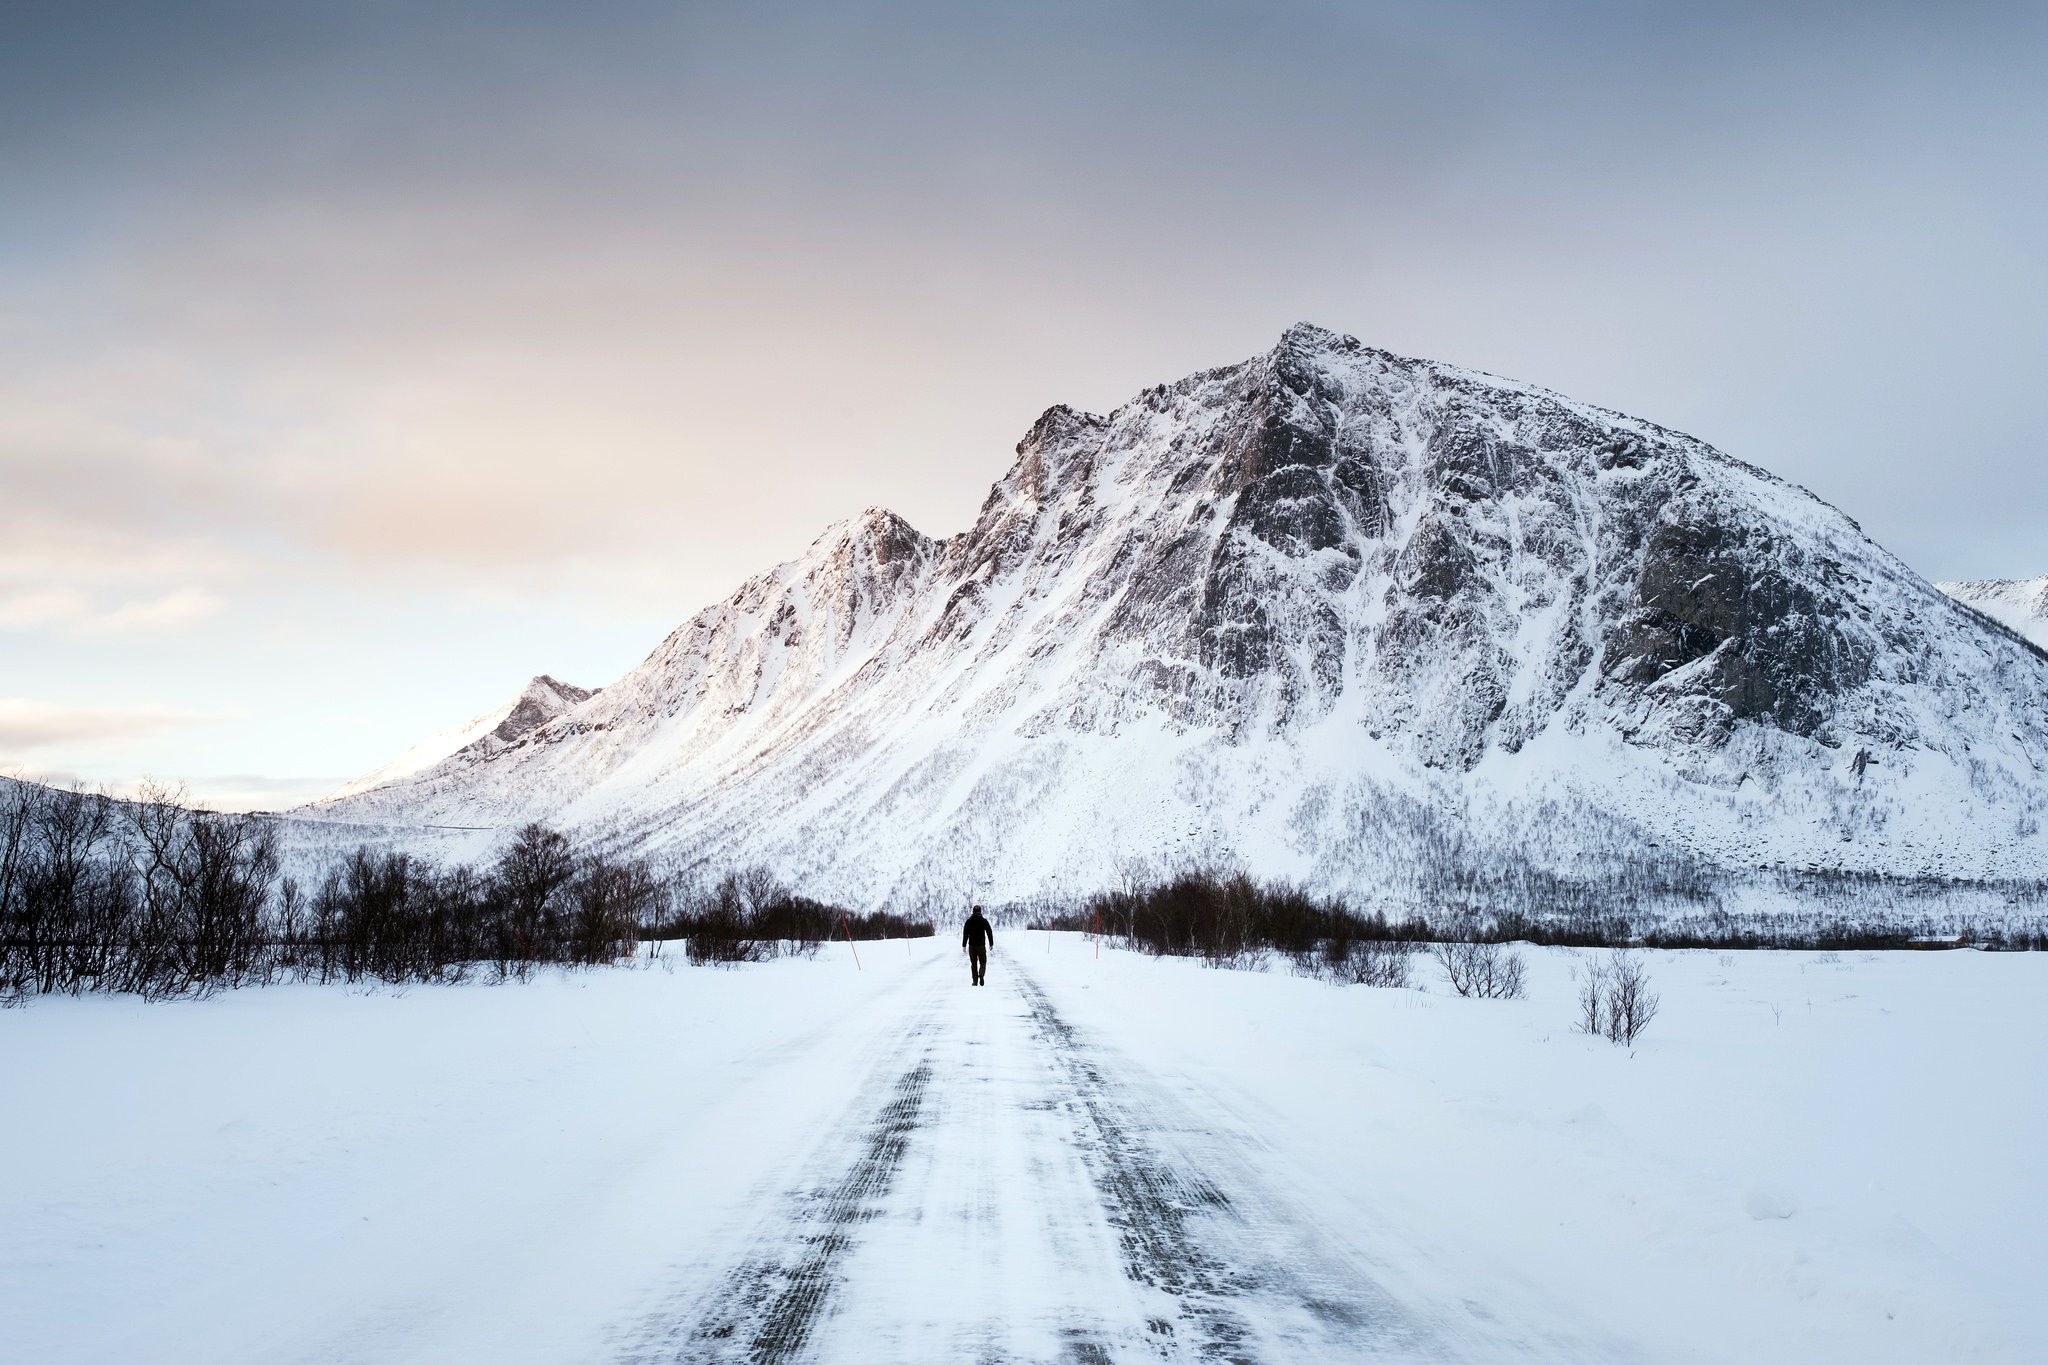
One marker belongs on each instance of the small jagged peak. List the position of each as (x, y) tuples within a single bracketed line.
[(540, 702), (875, 531), (1305, 347), (1306, 336), (543, 682), (1057, 425), (1044, 452), (1312, 361)]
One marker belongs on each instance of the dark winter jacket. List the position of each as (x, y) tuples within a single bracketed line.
[(978, 934)]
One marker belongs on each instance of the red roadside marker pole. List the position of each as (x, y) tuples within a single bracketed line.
[(849, 941), (1098, 933)]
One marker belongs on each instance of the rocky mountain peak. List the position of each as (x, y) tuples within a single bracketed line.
[(539, 702), (1278, 611)]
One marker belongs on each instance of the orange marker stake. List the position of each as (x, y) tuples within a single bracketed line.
[(849, 941)]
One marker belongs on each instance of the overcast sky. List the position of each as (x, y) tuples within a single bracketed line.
[(359, 362)]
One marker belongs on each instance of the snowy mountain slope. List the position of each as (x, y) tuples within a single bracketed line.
[(1329, 613), (538, 702), (2021, 604)]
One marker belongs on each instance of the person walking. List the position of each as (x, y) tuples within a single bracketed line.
[(975, 938)]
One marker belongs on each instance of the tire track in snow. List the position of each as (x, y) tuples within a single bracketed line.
[(1183, 1234), (769, 1305), (1152, 1205)]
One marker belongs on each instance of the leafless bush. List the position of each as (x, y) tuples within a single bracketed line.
[(531, 881), (1592, 999), (1225, 918), (1381, 962), (720, 926), (150, 897), (1489, 971), (751, 916), (611, 902), (1361, 962), (139, 896), (1615, 1000), (68, 893)]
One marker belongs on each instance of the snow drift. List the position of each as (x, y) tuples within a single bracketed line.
[(1329, 614)]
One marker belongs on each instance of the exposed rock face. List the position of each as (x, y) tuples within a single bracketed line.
[(541, 702), (1300, 613)]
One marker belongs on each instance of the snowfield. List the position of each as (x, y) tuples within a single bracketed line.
[(1806, 1158)]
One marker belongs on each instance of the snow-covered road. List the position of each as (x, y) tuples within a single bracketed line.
[(1811, 1156), (1005, 1189)]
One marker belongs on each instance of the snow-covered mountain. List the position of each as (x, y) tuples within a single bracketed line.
[(527, 709), (1329, 613), (2020, 603)]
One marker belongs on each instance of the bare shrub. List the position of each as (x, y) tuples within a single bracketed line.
[(529, 882), (1381, 962), (151, 897), (1592, 999), (1228, 920), (68, 893), (1488, 971), (1615, 999), (1632, 1004), (751, 916), (720, 928), (206, 884), (1363, 962), (611, 902), (142, 896)]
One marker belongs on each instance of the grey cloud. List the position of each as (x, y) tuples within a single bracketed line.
[(497, 286)]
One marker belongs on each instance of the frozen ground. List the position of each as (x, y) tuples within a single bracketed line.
[(1121, 1159)]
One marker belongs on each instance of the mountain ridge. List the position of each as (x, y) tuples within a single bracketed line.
[(1270, 612), (2020, 605)]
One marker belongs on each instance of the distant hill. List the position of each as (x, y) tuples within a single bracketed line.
[(2019, 603)]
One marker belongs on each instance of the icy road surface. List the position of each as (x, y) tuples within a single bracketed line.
[(1809, 1157)]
